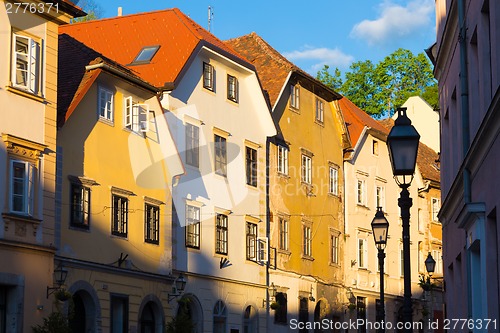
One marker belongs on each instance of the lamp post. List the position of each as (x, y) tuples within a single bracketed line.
[(430, 264), (402, 142), (380, 226)]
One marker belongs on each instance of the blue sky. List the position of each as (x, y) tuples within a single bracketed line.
[(310, 34)]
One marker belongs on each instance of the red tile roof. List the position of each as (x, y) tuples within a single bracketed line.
[(122, 38), (273, 68), (356, 120)]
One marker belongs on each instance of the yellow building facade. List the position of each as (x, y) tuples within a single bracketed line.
[(116, 168)]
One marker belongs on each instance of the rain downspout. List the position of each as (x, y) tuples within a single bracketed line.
[(464, 107)]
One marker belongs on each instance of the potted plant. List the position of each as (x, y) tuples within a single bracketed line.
[(425, 282), (62, 295), (274, 305), (351, 306)]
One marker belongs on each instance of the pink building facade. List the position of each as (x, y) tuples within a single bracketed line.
[(467, 65)]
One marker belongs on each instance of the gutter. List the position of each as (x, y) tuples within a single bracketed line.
[(122, 74)]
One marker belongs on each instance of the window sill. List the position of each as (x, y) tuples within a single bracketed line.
[(294, 109), (79, 227), (283, 175), (251, 187), (284, 252), (107, 121), (305, 257), (19, 222), (319, 123), (333, 195), (362, 206), (233, 102), (24, 93)]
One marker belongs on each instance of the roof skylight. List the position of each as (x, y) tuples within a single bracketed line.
[(146, 54)]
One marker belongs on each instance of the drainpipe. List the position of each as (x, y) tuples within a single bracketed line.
[(464, 106), (268, 228)]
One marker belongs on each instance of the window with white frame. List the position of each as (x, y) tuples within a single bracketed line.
[(151, 223), (80, 206), (333, 186), (334, 252), (251, 241), (136, 115), (319, 110), (26, 63), (232, 88), (380, 197), (282, 160), (306, 169), (208, 76), (306, 241), (283, 234), (361, 192), (23, 177), (436, 205), (294, 96), (119, 219), (192, 145), (436, 254), (105, 105), (193, 229), (220, 155), (362, 253), (221, 234), (251, 166)]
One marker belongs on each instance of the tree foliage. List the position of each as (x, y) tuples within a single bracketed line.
[(94, 11), (379, 89)]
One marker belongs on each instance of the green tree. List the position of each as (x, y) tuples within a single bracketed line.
[(94, 11), (181, 323), (379, 89), (332, 81)]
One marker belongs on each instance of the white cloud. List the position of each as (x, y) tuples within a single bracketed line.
[(396, 21), (321, 56)]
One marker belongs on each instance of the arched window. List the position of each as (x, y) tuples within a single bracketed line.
[(220, 315), (250, 320)]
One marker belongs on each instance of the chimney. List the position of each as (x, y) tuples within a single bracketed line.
[(120, 11)]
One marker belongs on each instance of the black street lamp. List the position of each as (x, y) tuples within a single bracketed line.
[(380, 226), (402, 142), (430, 264)]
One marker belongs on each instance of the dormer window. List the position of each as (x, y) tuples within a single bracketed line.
[(146, 55)]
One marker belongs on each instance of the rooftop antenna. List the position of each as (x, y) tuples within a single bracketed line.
[(210, 16)]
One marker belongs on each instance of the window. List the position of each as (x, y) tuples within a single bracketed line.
[(120, 216), (251, 246), (22, 187), (251, 166), (402, 260), (283, 234), (136, 115), (319, 110), (220, 316), (193, 227), (306, 241), (380, 197), (221, 234), (362, 253), (333, 186), (282, 160), (192, 145), (294, 97), (334, 241), (250, 320), (306, 169), (220, 155), (281, 313), (151, 224), (105, 104), (80, 206), (361, 313), (436, 205), (361, 192), (436, 254), (375, 147), (421, 260), (26, 64), (208, 76), (232, 88), (146, 54), (119, 314)]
